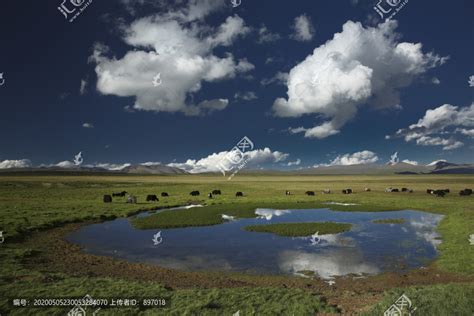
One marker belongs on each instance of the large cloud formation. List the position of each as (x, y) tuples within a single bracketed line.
[(358, 66), (178, 46), (439, 125), (211, 162)]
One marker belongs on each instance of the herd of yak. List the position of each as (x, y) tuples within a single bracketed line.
[(153, 198)]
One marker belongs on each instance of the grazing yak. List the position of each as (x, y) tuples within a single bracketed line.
[(439, 193), (164, 194), (239, 194), (209, 195), (465, 192), (216, 192), (310, 193), (287, 193), (152, 198), (120, 194), (107, 199), (132, 199), (194, 193), (347, 191), (327, 191), (367, 189), (390, 190)]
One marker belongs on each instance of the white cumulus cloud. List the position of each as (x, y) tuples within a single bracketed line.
[(471, 81), (9, 164), (211, 162), (437, 127), (357, 158), (359, 66), (87, 125), (179, 46)]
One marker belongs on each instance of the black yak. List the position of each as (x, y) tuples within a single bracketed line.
[(465, 192), (152, 198), (107, 199)]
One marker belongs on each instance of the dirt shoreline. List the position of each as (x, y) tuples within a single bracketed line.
[(350, 295)]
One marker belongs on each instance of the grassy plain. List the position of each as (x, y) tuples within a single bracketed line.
[(37, 203)]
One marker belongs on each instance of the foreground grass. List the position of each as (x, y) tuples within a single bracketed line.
[(31, 203), (300, 229), (250, 301)]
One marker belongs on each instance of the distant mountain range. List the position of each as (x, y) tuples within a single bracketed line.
[(131, 169), (436, 167)]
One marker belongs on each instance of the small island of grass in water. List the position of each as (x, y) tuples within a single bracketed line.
[(389, 221), (300, 229)]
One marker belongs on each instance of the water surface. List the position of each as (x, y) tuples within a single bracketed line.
[(368, 248)]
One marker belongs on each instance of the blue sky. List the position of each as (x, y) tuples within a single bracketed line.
[(335, 96)]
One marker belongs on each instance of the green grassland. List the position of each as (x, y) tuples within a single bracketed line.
[(30, 203), (300, 229)]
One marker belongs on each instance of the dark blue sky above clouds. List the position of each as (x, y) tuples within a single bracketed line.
[(271, 70)]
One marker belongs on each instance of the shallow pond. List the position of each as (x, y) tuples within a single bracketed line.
[(369, 248)]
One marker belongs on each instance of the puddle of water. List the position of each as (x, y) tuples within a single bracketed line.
[(369, 248)]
